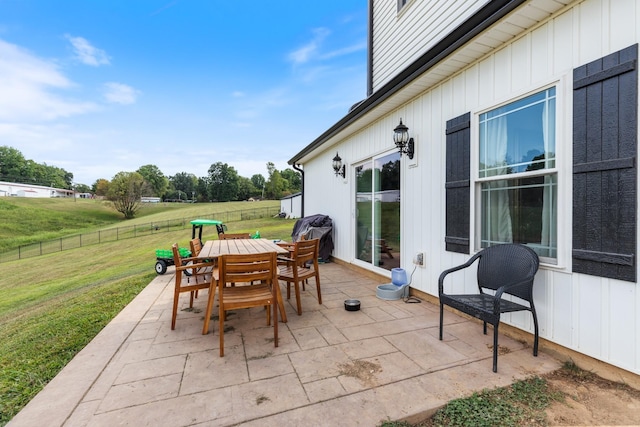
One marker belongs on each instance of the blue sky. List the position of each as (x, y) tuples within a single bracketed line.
[(99, 87)]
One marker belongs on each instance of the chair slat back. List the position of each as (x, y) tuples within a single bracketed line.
[(306, 251), (196, 246), (247, 267), (508, 264), (177, 259)]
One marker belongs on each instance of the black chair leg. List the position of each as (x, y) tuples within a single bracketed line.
[(535, 336), (495, 348), (441, 317)]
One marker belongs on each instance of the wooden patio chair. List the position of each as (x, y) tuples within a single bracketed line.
[(506, 269), (299, 267), (257, 282), (196, 246), (203, 276)]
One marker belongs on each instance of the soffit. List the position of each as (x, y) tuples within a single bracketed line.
[(516, 23)]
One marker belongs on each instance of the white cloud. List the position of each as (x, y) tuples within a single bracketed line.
[(345, 51), (87, 53), (308, 51), (27, 84), (118, 93)]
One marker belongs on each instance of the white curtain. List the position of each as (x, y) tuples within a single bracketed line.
[(549, 232), (498, 209)]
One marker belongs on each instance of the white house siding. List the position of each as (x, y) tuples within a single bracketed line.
[(292, 205), (595, 316), (400, 38)]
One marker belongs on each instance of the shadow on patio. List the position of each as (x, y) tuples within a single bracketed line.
[(384, 362)]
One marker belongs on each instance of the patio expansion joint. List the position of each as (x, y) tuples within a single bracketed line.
[(347, 394)]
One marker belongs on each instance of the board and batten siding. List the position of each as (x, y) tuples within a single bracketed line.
[(596, 316), (399, 38)]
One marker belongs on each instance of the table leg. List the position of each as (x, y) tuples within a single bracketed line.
[(279, 299), (207, 314)]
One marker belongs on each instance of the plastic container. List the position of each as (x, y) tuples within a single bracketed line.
[(399, 276), (390, 292), (164, 253), (168, 253)]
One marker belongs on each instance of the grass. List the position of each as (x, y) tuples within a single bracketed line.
[(522, 403), (53, 305), (27, 221)]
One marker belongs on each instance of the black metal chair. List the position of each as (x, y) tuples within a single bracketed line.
[(505, 269)]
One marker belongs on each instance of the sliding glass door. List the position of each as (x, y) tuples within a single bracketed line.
[(378, 211)]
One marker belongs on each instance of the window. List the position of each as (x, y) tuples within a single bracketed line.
[(378, 211), (517, 175), (401, 4)]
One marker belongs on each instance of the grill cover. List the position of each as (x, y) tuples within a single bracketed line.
[(316, 227)]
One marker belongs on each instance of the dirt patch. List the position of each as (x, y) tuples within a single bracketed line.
[(361, 369), (578, 398), (592, 401)]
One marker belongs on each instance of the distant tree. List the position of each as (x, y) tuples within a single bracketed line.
[(125, 191), (156, 179), (294, 180), (202, 189), (12, 164), (184, 182), (275, 184), (223, 182), (246, 189), (53, 175), (100, 187), (15, 168), (258, 181)]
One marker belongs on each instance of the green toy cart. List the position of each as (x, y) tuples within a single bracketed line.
[(164, 258), (198, 224)]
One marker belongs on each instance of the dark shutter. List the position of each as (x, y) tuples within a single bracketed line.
[(457, 213), (605, 129)]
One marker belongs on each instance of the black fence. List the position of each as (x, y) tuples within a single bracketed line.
[(120, 233)]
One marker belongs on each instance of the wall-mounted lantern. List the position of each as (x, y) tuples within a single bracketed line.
[(338, 167), (403, 142)]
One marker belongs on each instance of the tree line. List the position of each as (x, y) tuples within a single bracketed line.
[(15, 168), (221, 184)]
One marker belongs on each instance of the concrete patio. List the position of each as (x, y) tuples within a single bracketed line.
[(332, 367)]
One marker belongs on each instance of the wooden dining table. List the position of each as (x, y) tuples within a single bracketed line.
[(213, 249)]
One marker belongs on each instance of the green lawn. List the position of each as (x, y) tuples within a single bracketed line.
[(26, 221), (53, 305)]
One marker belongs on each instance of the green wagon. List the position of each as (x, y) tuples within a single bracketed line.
[(164, 257)]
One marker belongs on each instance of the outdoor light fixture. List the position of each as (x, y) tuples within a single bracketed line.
[(338, 167), (403, 142)]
